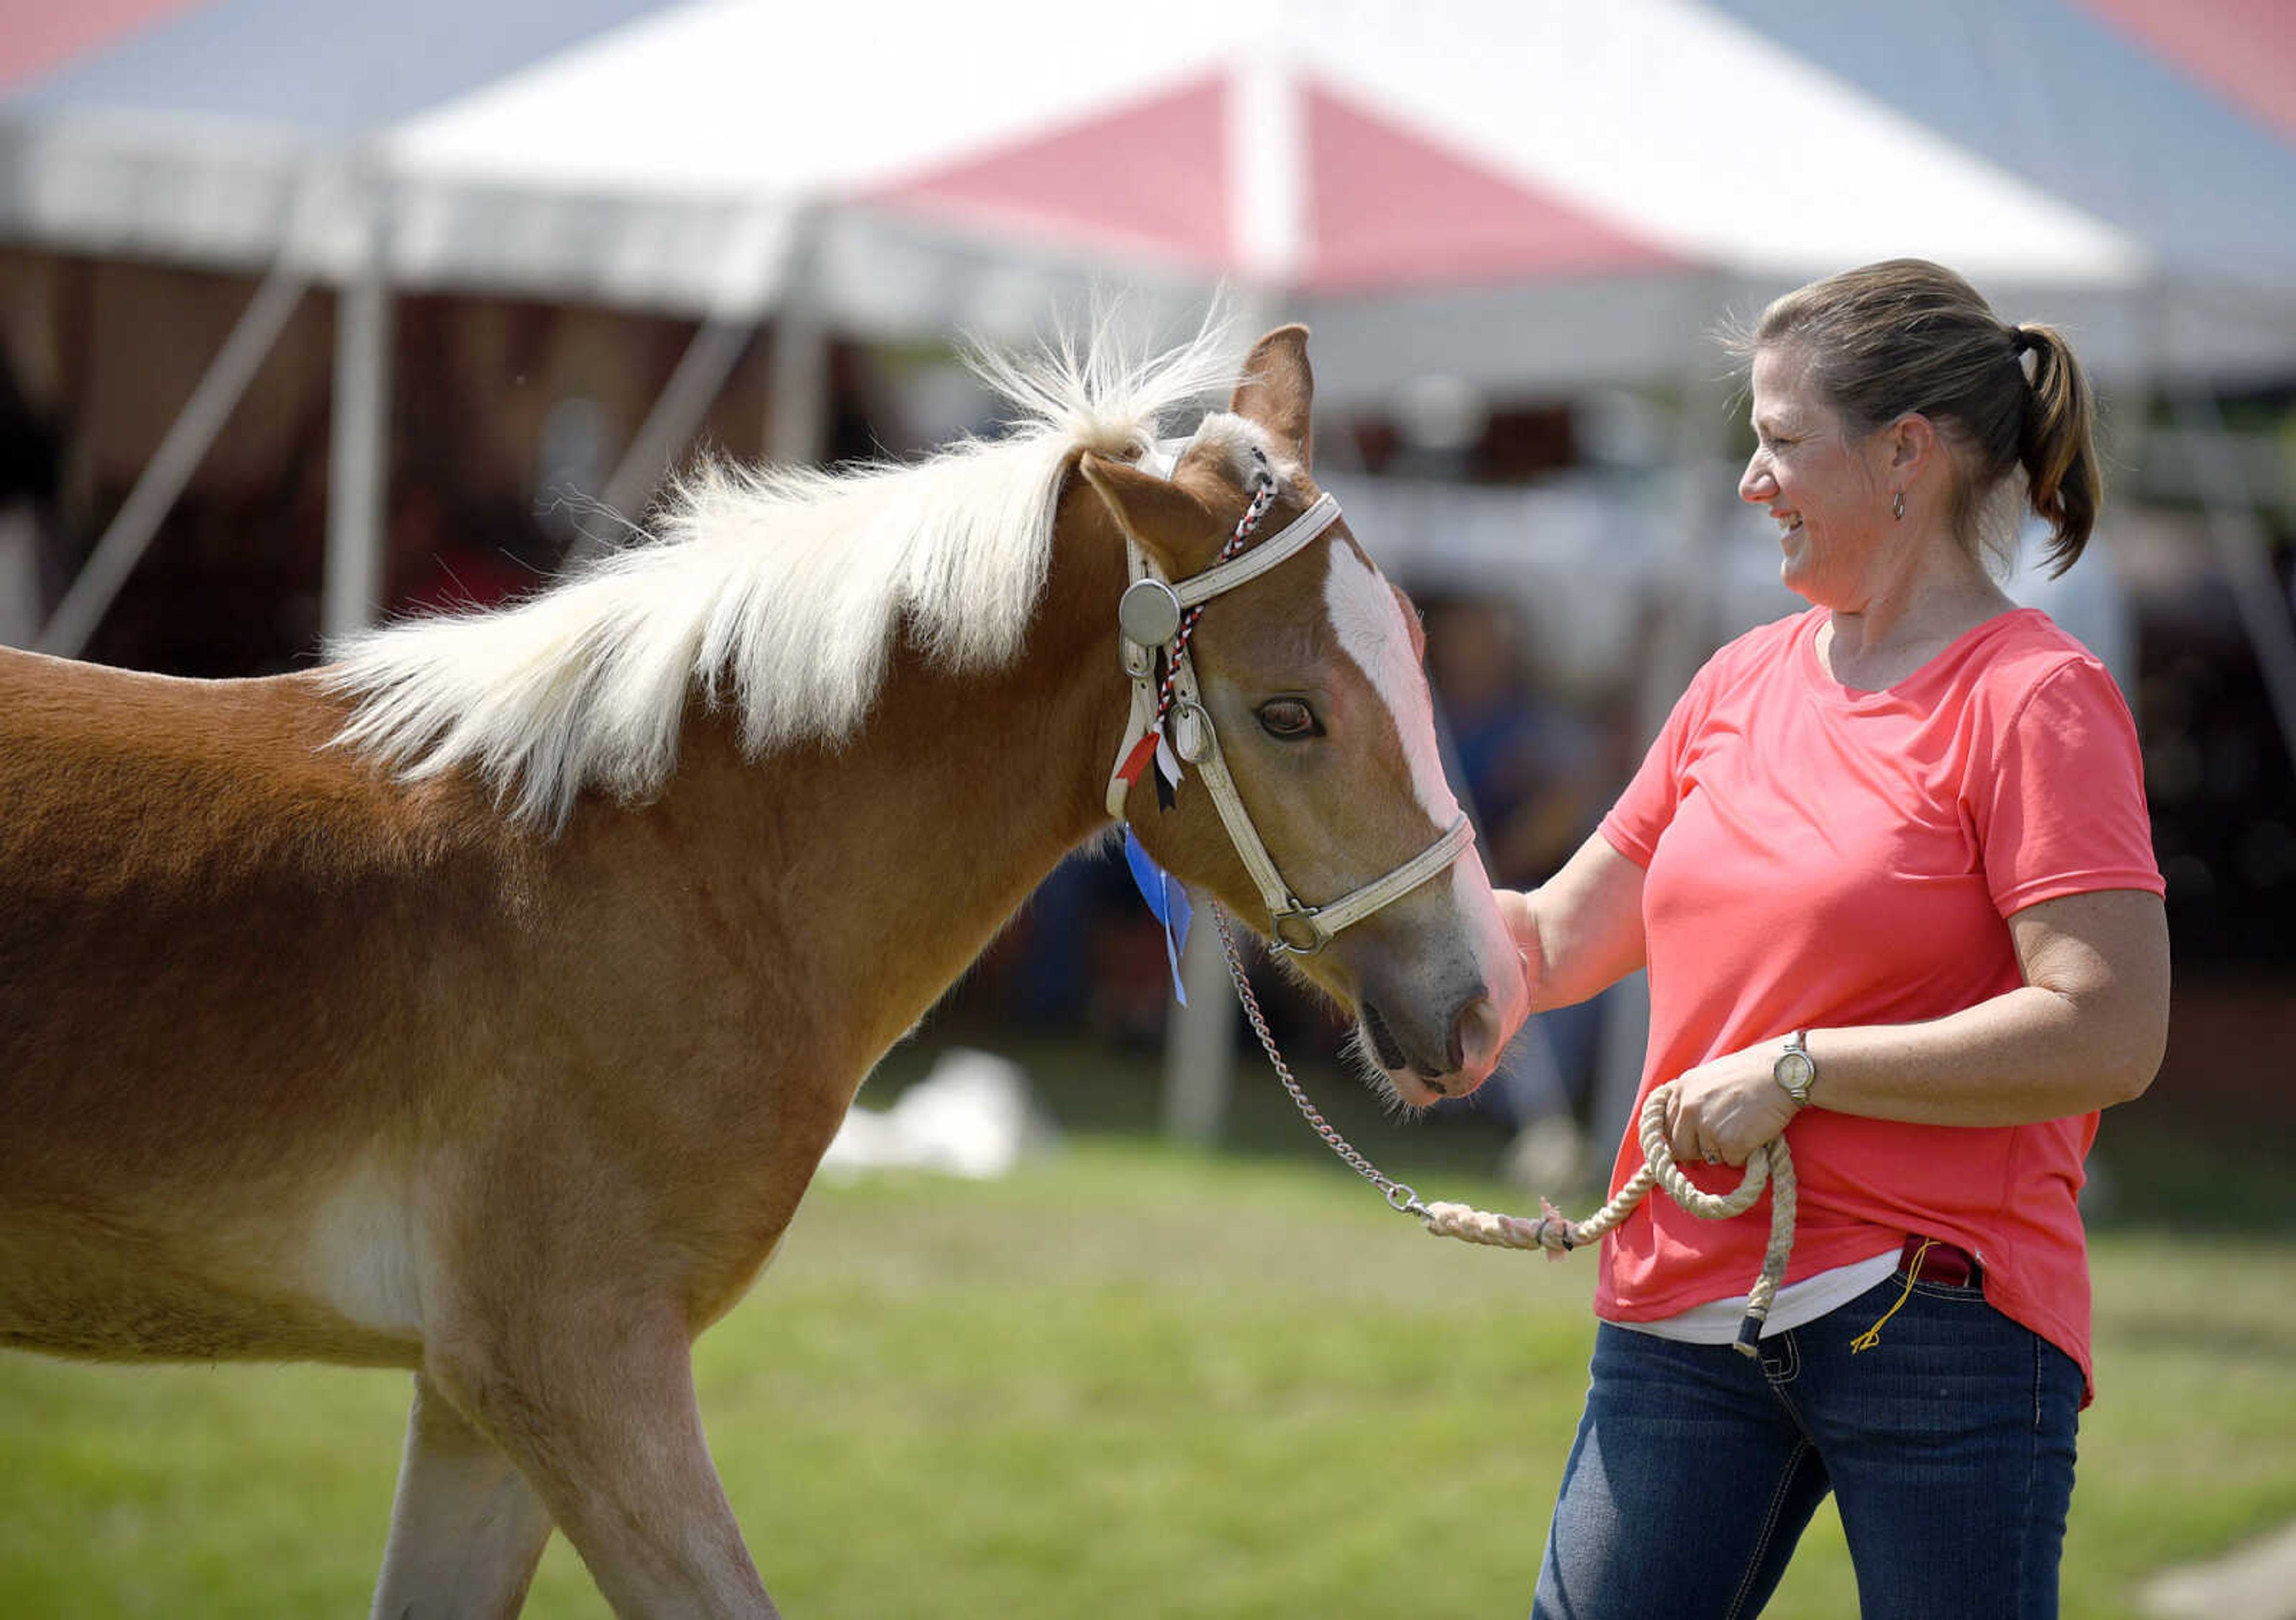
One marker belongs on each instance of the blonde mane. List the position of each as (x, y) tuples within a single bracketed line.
[(777, 592)]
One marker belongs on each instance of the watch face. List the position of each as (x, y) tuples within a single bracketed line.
[(1795, 1071)]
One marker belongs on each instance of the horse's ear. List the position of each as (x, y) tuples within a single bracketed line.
[(1278, 391), (1159, 514)]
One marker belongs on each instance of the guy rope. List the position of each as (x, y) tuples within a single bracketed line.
[(1771, 1166)]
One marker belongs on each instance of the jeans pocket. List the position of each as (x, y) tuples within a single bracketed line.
[(1939, 1270)]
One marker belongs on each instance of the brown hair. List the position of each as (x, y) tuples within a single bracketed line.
[(1906, 335)]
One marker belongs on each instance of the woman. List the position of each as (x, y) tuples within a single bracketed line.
[(1890, 866)]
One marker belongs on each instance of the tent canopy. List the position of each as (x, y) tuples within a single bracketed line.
[(1520, 193)]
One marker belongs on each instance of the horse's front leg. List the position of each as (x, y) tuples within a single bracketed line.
[(595, 1407), (466, 1529)]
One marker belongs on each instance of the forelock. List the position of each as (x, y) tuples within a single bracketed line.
[(1244, 447)]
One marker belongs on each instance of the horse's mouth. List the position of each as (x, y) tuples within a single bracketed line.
[(1383, 1043), (1389, 1050)]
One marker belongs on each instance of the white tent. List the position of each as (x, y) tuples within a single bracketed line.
[(1519, 194), (1499, 190)]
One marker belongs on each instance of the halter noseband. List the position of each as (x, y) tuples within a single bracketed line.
[(1157, 614)]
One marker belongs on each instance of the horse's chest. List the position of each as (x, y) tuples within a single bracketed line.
[(205, 1287), (358, 1251)]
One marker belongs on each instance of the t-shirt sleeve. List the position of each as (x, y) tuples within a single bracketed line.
[(2062, 810), (1645, 809)]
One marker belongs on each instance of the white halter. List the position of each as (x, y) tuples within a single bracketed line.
[(1149, 616)]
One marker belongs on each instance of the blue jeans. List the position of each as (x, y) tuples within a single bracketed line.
[(1949, 1445)]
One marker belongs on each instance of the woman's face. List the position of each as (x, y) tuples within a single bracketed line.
[(1823, 488)]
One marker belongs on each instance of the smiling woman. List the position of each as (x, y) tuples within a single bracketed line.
[(1889, 865)]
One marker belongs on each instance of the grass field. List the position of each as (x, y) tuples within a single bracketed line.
[(1128, 1381)]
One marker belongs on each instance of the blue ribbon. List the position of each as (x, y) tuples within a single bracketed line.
[(1166, 898)]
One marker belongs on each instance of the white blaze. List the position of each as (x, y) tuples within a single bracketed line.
[(1369, 622)]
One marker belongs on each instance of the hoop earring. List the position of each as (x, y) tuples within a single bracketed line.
[(1898, 507)]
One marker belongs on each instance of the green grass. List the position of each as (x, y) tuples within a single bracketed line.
[(1128, 1381)]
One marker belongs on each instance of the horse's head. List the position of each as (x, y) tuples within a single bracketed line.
[(1309, 675)]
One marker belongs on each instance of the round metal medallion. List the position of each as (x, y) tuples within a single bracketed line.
[(1148, 612)]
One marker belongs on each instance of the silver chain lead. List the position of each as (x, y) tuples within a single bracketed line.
[(1399, 1196)]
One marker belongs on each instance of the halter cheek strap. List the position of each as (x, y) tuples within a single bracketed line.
[(1156, 613)]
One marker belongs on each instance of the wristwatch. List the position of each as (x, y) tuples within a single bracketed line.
[(1794, 1071)]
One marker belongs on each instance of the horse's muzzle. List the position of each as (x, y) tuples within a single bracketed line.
[(1450, 1054)]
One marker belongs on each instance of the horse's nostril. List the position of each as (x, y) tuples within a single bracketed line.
[(1474, 1033), (1383, 1043)]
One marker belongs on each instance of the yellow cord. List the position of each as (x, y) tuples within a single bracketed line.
[(1872, 1335)]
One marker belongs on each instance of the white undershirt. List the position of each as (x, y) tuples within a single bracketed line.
[(1717, 1321)]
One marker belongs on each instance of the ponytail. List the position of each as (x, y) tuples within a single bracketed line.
[(2056, 444)]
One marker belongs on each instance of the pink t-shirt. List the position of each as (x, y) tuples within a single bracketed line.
[(1818, 857)]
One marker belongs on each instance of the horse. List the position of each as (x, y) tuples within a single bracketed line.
[(481, 1002)]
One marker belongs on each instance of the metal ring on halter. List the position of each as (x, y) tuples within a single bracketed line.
[(1303, 918), (1192, 731)]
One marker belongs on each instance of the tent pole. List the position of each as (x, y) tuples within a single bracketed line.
[(358, 481), (671, 424), (797, 382), (123, 542), (767, 254), (1200, 1040)]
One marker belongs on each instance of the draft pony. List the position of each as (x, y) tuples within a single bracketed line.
[(481, 1002)]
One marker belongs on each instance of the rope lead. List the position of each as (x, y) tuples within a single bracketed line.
[(1771, 1167)]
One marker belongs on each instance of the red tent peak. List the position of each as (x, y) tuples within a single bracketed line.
[(2243, 49), (40, 37), (1391, 207), (1146, 176), (1380, 205)]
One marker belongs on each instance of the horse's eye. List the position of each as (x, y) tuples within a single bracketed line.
[(1289, 718)]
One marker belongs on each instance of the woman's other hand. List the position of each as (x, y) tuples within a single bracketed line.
[(1723, 1110)]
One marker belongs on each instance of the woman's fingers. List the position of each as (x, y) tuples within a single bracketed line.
[(1694, 1138), (1683, 1134)]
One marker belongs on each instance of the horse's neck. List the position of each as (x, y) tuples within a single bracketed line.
[(882, 868)]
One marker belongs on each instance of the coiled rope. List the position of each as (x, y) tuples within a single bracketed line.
[(1771, 1167)]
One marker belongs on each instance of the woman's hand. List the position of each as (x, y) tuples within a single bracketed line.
[(1722, 1111), (1522, 928), (1514, 911)]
